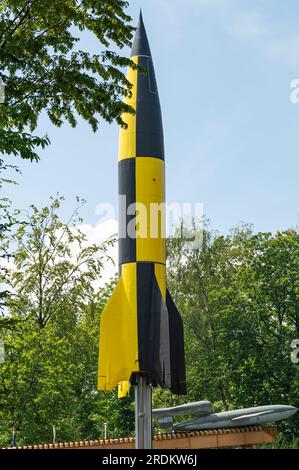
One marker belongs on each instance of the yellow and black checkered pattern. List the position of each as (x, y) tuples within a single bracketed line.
[(141, 329)]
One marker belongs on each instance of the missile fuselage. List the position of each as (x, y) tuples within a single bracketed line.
[(200, 408), (165, 415), (238, 418), (141, 329)]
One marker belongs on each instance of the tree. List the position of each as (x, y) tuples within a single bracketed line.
[(54, 267), (44, 69), (239, 298), (50, 373), (7, 222)]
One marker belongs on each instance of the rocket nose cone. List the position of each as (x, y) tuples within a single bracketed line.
[(140, 44)]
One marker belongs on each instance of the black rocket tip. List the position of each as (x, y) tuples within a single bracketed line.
[(140, 44)]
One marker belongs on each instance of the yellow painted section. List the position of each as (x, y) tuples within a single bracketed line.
[(123, 389), (150, 217), (118, 355), (127, 137), (160, 273)]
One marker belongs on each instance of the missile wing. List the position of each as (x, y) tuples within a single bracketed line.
[(198, 408)]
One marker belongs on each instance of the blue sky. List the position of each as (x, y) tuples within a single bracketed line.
[(224, 69)]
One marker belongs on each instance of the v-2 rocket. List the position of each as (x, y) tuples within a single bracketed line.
[(141, 330)]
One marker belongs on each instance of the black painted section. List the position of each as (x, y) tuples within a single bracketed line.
[(177, 350), (127, 188), (153, 328), (149, 128), (140, 44), (160, 334)]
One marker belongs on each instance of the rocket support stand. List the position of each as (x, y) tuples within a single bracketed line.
[(143, 413)]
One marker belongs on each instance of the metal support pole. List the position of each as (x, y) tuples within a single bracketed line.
[(143, 413), (54, 434)]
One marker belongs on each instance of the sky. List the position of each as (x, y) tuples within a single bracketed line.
[(224, 70)]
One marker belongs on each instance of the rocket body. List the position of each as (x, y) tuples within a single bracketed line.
[(141, 329)]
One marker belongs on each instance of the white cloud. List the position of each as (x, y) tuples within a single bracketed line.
[(179, 7), (272, 40), (97, 235), (248, 24), (286, 50), (173, 11), (101, 231)]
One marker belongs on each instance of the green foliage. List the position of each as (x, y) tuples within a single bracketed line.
[(281, 442), (53, 266), (7, 222), (43, 67), (239, 299), (51, 333), (238, 296)]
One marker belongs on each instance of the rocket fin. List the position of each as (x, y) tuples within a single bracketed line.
[(123, 389), (118, 356), (153, 328), (161, 337), (176, 345)]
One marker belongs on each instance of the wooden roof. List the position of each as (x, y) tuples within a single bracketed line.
[(214, 438)]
